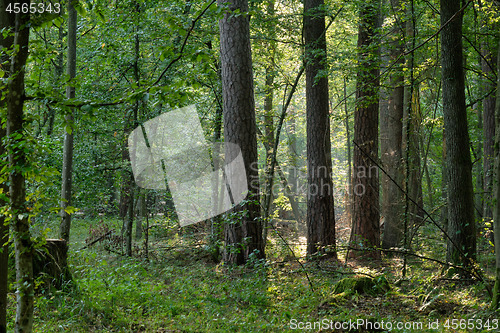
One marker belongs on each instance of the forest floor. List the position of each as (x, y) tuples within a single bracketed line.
[(179, 288)]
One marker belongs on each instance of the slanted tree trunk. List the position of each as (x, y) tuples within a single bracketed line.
[(365, 231), (496, 217), (7, 23), (461, 225), (67, 169), (392, 154), (320, 205), (244, 235), (18, 163)]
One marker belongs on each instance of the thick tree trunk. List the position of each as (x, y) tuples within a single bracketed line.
[(67, 169), (365, 231), (461, 226), (496, 217), (7, 23), (243, 236), (18, 162), (392, 154), (320, 204)]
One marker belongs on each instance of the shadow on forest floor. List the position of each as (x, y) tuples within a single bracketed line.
[(179, 288)]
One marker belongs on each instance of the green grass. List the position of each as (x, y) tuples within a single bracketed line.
[(180, 289)]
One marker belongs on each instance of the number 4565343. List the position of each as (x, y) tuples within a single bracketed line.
[(40, 8)]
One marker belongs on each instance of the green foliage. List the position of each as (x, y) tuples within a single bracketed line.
[(180, 288)]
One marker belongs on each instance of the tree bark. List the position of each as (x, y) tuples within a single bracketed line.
[(7, 23), (320, 204), (496, 217), (18, 162), (365, 231), (461, 225), (67, 169), (269, 118), (392, 154), (488, 133), (243, 236)]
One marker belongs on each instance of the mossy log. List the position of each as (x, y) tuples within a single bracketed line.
[(357, 286), (362, 285)]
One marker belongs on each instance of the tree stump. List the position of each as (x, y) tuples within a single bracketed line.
[(50, 264)]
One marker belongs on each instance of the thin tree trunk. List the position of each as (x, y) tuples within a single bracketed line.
[(287, 188), (349, 156), (141, 198), (496, 217), (244, 235), (461, 226), (320, 204), (58, 71), (216, 232), (365, 232), (269, 118), (488, 133), (67, 169), (412, 119), (18, 161), (7, 23)]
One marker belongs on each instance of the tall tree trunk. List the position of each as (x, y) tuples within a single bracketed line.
[(392, 154), (349, 156), (496, 217), (131, 182), (7, 23), (4, 247), (243, 236), (216, 232), (18, 162), (488, 132), (141, 198), (461, 225), (67, 169), (365, 231), (58, 72), (412, 137), (269, 117), (292, 153), (320, 204)]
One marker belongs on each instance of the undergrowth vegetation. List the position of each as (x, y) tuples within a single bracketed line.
[(180, 288)]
